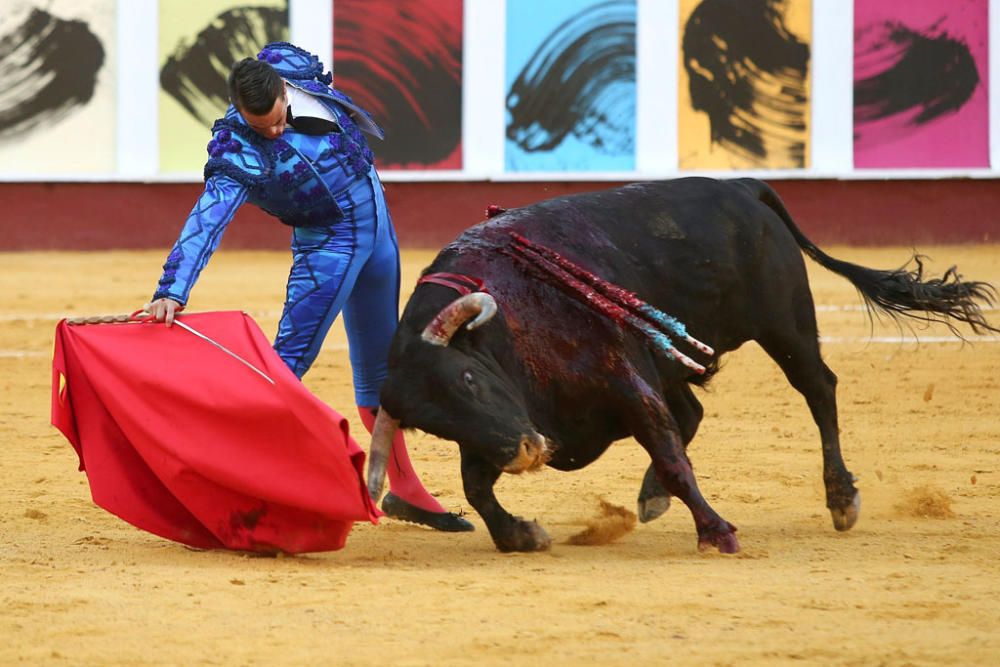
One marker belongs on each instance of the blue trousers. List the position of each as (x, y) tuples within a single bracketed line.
[(353, 267)]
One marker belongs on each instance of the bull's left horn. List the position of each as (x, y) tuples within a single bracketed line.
[(383, 431), (480, 305)]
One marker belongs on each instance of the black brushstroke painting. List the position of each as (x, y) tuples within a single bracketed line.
[(749, 74), (195, 73), (568, 85), (49, 68), (909, 76)]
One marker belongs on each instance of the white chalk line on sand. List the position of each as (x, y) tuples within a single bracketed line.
[(860, 307), (32, 318), (825, 340), (906, 340)]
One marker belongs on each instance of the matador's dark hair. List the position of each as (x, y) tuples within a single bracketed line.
[(254, 86)]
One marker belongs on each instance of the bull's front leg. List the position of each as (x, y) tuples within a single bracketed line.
[(654, 427), (654, 500), (509, 533)]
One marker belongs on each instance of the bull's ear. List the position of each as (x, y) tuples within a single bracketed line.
[(478, 307)]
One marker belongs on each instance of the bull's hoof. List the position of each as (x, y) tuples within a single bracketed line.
[(524, 536), (654, 500), (653, 508), (397, 508), (844, 518), (723, 539)]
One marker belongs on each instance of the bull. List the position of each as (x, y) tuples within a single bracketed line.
[(521, 371)]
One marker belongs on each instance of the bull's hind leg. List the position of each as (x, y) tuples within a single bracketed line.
[(654, 500), (654, 427), (798, 356), (509, 533)]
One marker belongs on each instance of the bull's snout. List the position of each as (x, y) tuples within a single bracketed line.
[(532, 453)]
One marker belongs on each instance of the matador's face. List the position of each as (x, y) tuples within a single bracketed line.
[(271, 124)]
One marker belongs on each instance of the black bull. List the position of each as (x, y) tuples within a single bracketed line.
[(553, 381)]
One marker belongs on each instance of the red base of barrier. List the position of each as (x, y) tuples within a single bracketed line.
[(100, 216)]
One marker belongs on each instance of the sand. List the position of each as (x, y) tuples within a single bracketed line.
[(916, 582)]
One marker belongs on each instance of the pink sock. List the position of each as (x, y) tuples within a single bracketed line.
[(403, 480)]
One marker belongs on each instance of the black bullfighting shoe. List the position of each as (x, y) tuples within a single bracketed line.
[(397, 508)]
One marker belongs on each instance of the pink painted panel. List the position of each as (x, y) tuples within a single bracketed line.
[(921, 76)]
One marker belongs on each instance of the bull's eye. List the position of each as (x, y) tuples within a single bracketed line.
[(469, 381)]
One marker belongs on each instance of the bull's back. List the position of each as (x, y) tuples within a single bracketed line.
[(708, 252), (702, 250), (698, 248), (719, 222)]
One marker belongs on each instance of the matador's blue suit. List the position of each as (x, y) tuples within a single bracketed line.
[(325, 187), (344, 250)]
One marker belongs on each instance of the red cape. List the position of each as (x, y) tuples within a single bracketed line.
[(183, 440)]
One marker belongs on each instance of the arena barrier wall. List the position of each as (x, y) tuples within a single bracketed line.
[(116, 215)]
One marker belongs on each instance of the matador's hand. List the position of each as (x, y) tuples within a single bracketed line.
[(163, 310)]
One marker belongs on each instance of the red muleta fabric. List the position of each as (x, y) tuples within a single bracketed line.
[(182, 440)]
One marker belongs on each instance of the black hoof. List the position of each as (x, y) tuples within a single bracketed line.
[(653, 508), (397, 508), (654, 500), (845, 518), (523, 536)]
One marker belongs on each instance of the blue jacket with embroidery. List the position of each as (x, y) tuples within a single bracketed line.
[(296, 177)]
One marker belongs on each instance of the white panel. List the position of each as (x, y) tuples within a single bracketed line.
[(832, 129), (310, 24), (483, 94), (138, 89), (656, 83)]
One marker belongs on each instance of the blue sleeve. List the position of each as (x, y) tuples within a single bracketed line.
[(200, 237)]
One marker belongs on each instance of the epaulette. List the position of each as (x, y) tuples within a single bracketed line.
[(293, 63), (238, 152)]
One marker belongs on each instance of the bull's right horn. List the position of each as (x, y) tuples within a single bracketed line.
[(383, 432), (480, 305)]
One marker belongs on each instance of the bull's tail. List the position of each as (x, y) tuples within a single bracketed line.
[(897, 292)]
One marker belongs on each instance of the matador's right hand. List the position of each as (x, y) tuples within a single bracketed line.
[(163, 310)]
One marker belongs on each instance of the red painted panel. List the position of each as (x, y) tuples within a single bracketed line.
[(412, 86)]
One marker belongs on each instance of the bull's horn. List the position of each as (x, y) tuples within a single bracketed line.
[(444, 325), (383, 432)]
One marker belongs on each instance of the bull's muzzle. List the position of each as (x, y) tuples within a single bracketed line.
[(533, 452)]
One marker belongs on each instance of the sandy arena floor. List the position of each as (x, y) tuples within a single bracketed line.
[(915, 583)]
